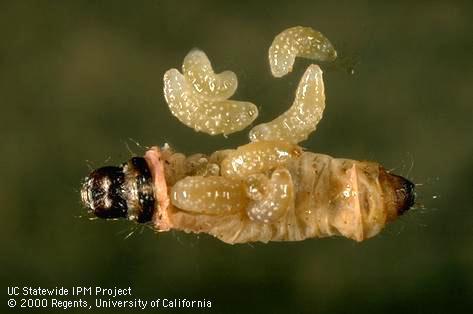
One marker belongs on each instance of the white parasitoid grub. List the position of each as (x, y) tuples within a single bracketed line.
[(199, 97), (278, 197), (258, 157), (295, 42), (301, 119), (207, 84), (211, 195)]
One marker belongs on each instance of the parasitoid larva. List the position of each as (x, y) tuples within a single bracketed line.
[(258, 157), (276, 200), (267, 190), (199, 97), (206, 84), (295, 42), (211, 195), (302, 117)]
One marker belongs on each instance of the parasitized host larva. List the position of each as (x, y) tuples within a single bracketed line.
[(267, 190), (199, 98), (301, 119), (295, 42), (313, 195)]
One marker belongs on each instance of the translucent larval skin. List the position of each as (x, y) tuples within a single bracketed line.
[(199, 98), (258, 157), (276, 200), (301, 119), (295, 42), (256, 186), (211, 195), (330, 197), (207, 84)]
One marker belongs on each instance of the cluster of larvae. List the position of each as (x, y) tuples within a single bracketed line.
[(267, 190)]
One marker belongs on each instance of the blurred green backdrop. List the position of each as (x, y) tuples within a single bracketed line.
[(78, 78)]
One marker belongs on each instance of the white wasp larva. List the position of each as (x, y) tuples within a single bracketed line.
[(211, 195), (267, 190), (277, 197), (295, 42), (207, 84), (199, 97), (301, 119), (258, 157)]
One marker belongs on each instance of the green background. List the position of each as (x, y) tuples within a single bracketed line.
[(79, 78)]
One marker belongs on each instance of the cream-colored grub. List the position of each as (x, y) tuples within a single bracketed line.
[(199, 97), (295, 42), (301, 119)]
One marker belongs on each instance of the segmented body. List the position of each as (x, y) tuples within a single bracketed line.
[(331, 197), (298, 41)]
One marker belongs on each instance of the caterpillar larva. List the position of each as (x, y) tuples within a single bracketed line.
[(313, 195), (267, 190)]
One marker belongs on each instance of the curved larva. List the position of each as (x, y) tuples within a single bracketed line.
[(301, 119), (295, 42), (278, 199), (207, 84), (258, 157), (202, 106), (211, 195)]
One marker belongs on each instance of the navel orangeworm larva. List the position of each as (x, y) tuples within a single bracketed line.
[(302, 117), (331, 196), (199, 97), (295, 42), (267, 190)]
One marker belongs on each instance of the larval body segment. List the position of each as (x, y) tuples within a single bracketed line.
[(295, 42), (301, 119)]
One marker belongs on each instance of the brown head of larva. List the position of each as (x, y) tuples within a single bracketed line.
[(125, 191), (399, 194)]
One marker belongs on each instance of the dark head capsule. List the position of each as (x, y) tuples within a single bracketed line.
[(120, 192), (405, 192), (399, 194)]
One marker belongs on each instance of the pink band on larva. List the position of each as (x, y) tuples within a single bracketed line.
[(161, 219)]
